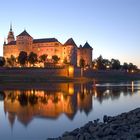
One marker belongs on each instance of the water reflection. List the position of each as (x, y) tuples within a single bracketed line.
[(113, 91), (57, 99)]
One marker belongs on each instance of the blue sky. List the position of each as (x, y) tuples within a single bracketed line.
[(112, 27)]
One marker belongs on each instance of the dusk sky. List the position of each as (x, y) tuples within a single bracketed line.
[(112, 27)]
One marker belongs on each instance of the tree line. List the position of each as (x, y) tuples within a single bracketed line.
[(31, 59), (114, 64), (25, 59)]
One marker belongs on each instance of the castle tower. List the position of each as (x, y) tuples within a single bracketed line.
[(10, 37), (24, 42), (70, 51), (85, 53)]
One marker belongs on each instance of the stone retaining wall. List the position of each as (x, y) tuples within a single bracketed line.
[(41, 71)]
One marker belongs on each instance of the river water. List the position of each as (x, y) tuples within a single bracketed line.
[(35, 112)]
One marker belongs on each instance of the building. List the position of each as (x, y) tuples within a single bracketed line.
[(68, 51)]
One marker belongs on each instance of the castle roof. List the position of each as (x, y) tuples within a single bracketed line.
[(70, 42), (87, 46), (44, 40), (11, 43), (24, 33)]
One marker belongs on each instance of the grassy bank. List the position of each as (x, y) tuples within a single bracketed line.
[(112, 76), (38, 78), (19, 75)]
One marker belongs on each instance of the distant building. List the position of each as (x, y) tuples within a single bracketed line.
[(51, 46)]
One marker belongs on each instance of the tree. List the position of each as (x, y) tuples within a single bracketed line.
[(43, 58), (11, 61), (82, 63), (22, 58), (2, 61), (115, 64), (132, 67), (55, 59), (100, 63), (125, 66), (106, 63), (32, 58)]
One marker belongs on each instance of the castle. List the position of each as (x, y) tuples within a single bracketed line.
[(49, 46)]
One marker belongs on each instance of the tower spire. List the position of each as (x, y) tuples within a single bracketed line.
[(11, 27), (10, 34)]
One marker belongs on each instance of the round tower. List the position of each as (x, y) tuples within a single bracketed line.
[(10, 37), (70, 51), (87, 54)]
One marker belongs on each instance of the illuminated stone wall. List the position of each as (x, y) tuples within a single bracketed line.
[(10, 50), (50, 49), (65, 72)]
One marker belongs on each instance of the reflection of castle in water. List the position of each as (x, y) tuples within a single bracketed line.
[(57, 99), (50, 103)]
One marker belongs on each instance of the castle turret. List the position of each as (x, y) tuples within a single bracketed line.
[(10, 37)]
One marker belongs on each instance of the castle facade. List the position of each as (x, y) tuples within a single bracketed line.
[(49, 46)]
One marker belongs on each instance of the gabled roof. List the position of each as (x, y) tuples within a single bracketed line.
[(11, 43), (87, 46), (24, 33), (70, 42), (44, 40)]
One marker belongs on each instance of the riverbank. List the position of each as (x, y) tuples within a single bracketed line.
[(112, 75), (38, 75), (125, 126)]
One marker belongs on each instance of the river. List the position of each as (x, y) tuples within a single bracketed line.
[(50, 109)]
